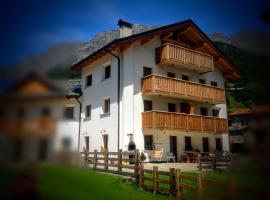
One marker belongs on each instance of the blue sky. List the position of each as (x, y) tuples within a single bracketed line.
[(31, 26)]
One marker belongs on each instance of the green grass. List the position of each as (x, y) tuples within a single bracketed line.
[(59, 182)]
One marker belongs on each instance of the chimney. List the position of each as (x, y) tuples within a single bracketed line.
[(125, 28)]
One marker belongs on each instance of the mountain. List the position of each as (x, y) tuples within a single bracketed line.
[(56, 60)]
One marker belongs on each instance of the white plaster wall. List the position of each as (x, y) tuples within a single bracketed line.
[(98, 124)]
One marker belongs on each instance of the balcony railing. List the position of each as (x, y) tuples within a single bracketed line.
[(21, 126), (171, 54), (184, 122), (166, 86)]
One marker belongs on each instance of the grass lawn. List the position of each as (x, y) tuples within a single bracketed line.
[(59, 182)]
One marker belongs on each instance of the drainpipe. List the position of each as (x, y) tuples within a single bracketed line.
[(118, 99)]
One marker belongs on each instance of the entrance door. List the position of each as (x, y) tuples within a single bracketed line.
[(173, 146), (205, 144)]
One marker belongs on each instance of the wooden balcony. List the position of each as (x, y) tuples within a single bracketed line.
[(172, 87), (171, 54), (183, 122), (40, 126)]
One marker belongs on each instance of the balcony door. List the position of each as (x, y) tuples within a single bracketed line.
[(173, 146), (185, 108)]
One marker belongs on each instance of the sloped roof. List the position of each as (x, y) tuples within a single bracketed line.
[(188, 26), (241, 111)]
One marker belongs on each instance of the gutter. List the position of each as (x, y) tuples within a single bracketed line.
[(118, 99)]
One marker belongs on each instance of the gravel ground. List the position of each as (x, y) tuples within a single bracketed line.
[(167, 166)]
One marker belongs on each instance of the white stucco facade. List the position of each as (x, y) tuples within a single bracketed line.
[(131, 104)]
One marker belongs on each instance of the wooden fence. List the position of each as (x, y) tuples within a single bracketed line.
[(172, 182)]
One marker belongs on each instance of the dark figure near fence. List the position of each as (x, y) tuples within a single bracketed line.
[(131, 147)]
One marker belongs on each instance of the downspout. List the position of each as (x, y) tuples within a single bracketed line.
[(118, 100)]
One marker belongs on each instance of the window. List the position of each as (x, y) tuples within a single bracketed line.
[(214, 83), (45, 112), (185, 77), (86, 139), (147, 71), (202, 81), (204, 111), (171, 107), (171, 74), (106, 107), (218, 144), (185, 108), (107, 72), (88, 80), (69, 113), (188, 146), (147, 105), (205, 143), (148, 142), (215, 112), (66, 143), (88, 111), (105, 141)]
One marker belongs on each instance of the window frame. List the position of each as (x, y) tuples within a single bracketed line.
[(171, 74), (105, 72), (88, 111), (214, 83), (106, 106), (202, 80), (206, 109), (148, 145), (184, 75), (148, 68), (87, 84), (188, 147), (172, 104), (150, 107)]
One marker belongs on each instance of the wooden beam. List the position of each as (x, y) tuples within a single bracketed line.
[(124, 47), (147, 39), (216, 58), (200, 45), (166, 35)]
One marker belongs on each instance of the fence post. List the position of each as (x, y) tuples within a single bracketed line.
[(120, 160), (141, 177), (177, 183), (155, 171), (136, 162), (106, 159), (172, 182), (95, 160), (200, 162)]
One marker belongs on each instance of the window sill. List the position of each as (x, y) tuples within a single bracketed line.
[(105, 115), (86, 119)]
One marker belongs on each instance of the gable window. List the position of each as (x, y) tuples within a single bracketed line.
[(171, 74), (69, 113), (202, 81), (185, 77), (204, 111), (88, 111), (147, 71), (147, 105), (148, 142), (171, 107), (188, 146), (214, 83), (106, 106), (107, 72), (215, 112), (88, 80)]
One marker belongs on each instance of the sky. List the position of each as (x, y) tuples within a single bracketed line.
[(31, 26)]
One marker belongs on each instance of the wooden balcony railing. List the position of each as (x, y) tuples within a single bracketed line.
[(21, 126), (161, 85), (185, 122), (171, 54)]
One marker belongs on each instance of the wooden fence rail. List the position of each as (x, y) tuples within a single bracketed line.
[(171, 182)]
